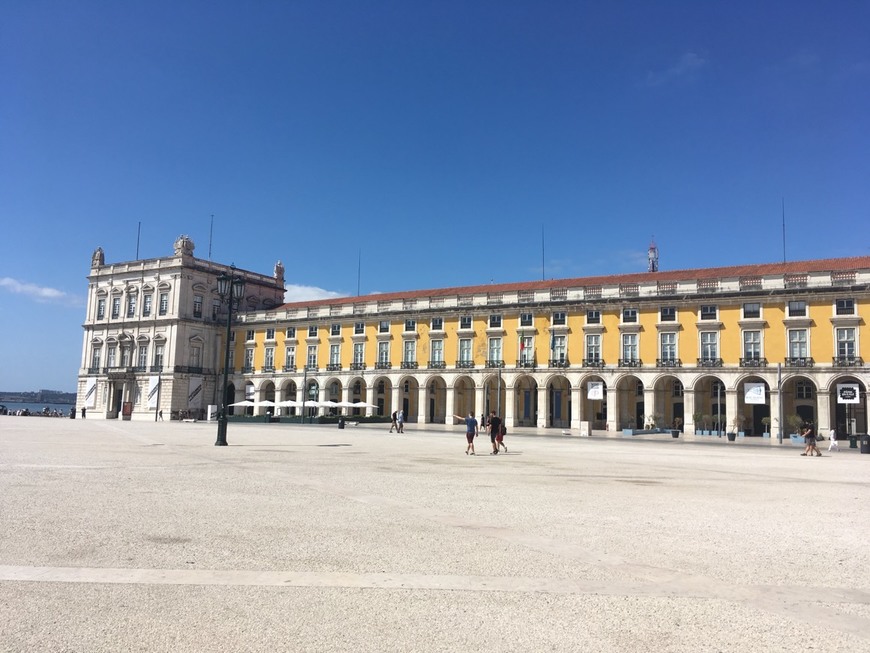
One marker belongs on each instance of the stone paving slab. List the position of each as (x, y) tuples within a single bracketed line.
[(142, 536)]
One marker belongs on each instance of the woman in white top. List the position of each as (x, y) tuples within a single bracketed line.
[(834, 446)]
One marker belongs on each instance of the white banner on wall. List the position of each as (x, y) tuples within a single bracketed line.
[(754, 393), (595, 390), (194, 394), (848, 393), (153, 391), (91, 393)]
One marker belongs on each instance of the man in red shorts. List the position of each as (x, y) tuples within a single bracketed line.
[(470, 431)]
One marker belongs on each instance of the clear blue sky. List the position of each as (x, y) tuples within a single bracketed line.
[(437, 138)]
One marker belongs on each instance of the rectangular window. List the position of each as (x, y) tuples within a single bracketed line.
[(410, 351), (359, 328), (559, 319), (158, 355), (668, 346), (668, 314), (629, 346), (116, 307), (383, 352), (593, 317), (752, 345), (197, 306), (495, 321), (334, 354), (111, 358), (95, 357), (249, 335), (384, 326), (215, 309), (437, 324), (291, 332), (495, 349), (526, 319), (290, 357), (131, 305), (143, 356), (678, 389), (358, 353), (846, 342), (312, 332), (335, 330), (751, 310), (269, 358), (465, 350), (126, 353), (803, 390), (196, 356), (593, 347), (797, 343), (629, 315), (437, 351), (845, 307), (147, 302), (560, 350), (709, 345), (709, 312), (526, 352), (270, 334), (249, 358), (410, 325), (232, 363), (465, 322), (311, 360), (797, 309), (163, 303), (101, 309)]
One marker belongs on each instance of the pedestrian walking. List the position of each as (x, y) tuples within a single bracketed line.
[(832, 436), (470, 431), (400, 421), (160, 414), (810, 440), (494, 430), (393, 424), (84, 410)]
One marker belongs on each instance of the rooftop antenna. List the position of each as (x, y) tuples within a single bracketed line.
[(210, 229), (652, 256), (138, 231), (358, 268)]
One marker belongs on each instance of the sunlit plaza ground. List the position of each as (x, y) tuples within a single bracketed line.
[(142, 536)]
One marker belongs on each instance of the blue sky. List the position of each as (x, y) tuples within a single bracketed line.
[(432, 140)]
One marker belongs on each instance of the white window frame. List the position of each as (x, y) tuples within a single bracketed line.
[(630, 347), (752, 340), (592, 347), (436, 351), (709, 344), (410, 351), (384, 351), (668, 350), (465, 350), (797, 344)]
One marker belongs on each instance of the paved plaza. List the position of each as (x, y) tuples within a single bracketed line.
[(143, 536)]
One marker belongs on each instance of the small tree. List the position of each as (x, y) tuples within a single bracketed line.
[(739, 420), (707, 420), (766, 422), (698, 419), (794, 423)]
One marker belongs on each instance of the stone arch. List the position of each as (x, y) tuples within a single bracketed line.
[(436, 400), (525, 393), (668, 406), (558, 412), (463, 396), (593, 391), (494, 394), (382, 395), (409, 397), (710, 399), (846, 417), (630, 410)]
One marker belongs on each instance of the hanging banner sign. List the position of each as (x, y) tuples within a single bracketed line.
[(595, 390), (194, 394), (848, 393), (91, 393), (754, 393), (153, 389)]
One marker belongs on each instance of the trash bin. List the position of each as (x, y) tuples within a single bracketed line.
[(853, 441), (865, 443), (341, 423), (675, 433)]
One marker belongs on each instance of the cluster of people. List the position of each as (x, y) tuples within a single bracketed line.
[(397, 421), (494, 425), (810, 438)]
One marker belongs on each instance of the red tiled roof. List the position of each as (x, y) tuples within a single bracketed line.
[(730, 272)]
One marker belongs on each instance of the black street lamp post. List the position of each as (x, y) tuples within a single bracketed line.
[(231, 288)]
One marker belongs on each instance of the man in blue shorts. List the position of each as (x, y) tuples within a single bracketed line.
[(470, 431)]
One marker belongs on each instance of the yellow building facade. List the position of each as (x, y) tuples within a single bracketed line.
[(753, 349)]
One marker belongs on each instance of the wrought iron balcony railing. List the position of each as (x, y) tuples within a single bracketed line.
[(669, 362), (799, 361), (753, 361), (709, 362)]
